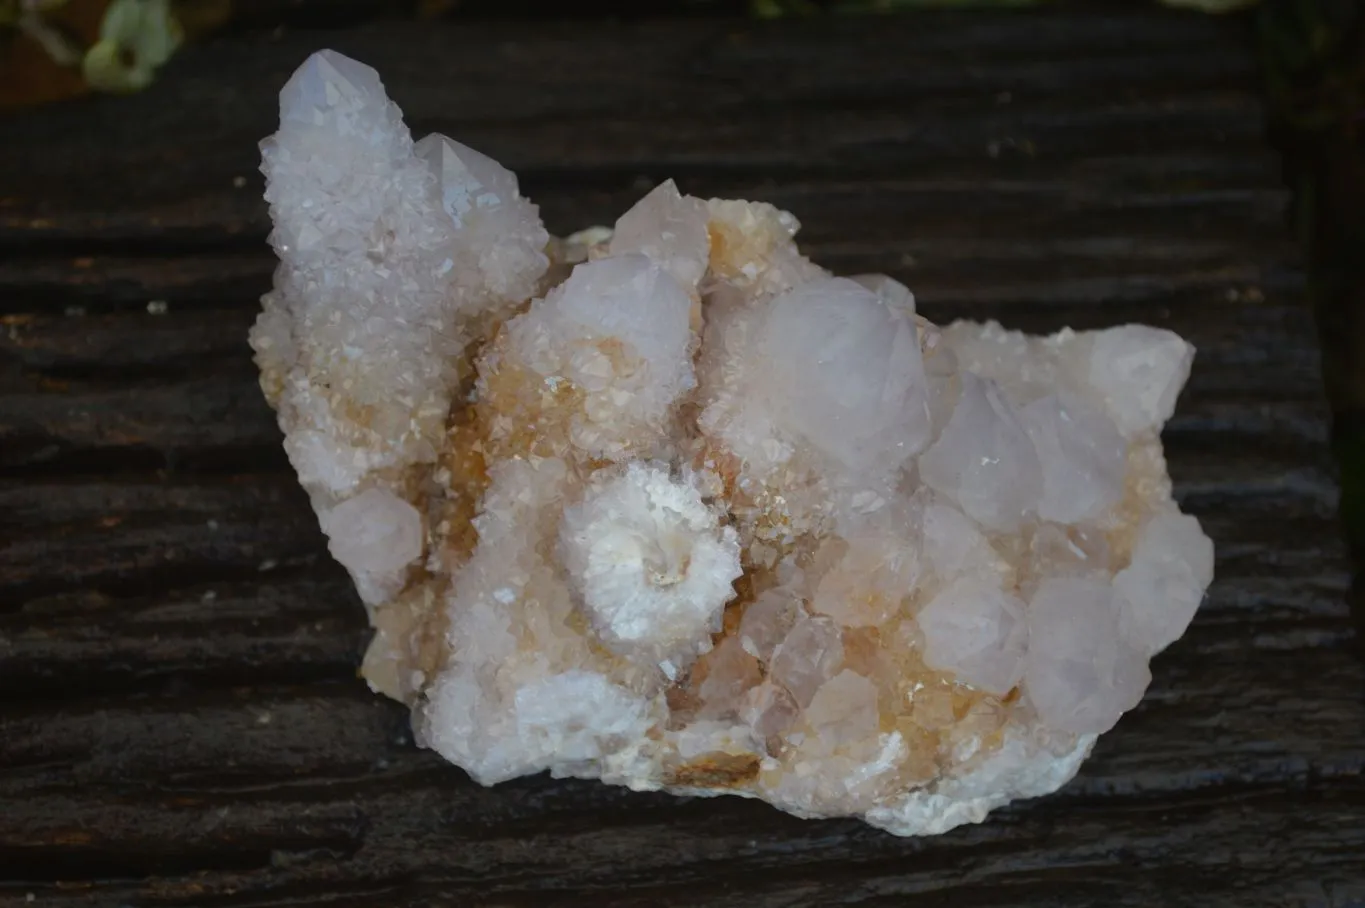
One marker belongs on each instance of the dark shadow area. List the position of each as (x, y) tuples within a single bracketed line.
[(1313, 52)]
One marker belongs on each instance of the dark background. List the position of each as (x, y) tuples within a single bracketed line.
[(180, 721)]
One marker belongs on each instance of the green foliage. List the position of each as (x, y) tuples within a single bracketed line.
[(136, 38)]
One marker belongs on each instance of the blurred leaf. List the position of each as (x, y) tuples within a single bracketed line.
[(136, 37), (51, 37)]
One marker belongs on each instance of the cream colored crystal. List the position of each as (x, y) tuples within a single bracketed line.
[(671, 506)]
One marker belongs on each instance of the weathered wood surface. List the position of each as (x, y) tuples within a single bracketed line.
[(180, 723)]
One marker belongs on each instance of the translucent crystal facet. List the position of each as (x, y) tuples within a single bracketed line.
[(985, 460), (669, 505), (1082, 674), (975, 630), (842, 373)]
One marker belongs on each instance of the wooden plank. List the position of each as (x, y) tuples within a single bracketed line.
[(496, 850), (180, 722), (307, 626), (128, 535), (703, 99)]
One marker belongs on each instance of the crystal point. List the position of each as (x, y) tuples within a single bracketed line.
[(329, 83)]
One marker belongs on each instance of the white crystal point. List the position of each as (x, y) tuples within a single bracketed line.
[(1164, 584), (330, 85), (374, 531), (670, 229), (1138, 371), (374, 535), (470, 181), (984, 459), (1082, 456), (843, 371), (377, 286), (888, 290), (502, 230), (619, 329), (977, 632), (652, 564), (1080, 673), (624, 298)]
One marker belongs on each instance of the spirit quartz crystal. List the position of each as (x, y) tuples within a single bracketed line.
[(671, 506)]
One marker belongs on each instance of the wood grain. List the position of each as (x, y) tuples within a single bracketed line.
[(180, 720)]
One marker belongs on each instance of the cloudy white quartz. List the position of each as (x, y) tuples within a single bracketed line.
[(672, 506), (652, 563)]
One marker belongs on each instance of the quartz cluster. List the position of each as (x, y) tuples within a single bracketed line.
[(671, 506)]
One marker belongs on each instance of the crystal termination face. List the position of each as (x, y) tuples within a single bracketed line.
[(671, 506)]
